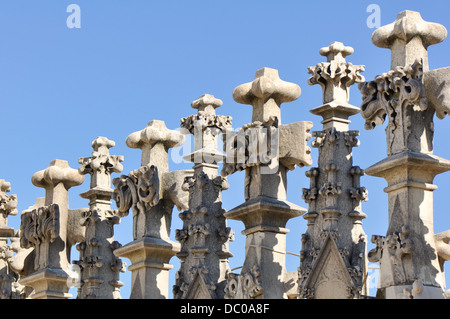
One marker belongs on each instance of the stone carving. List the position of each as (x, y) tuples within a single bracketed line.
[(393, 95), (336, 75), (204, 238), (266, 211), (151, 192), (35, 260), (244, 286), (51, 228), (99, 268), (407, 95), (332, 262), (9, 286)]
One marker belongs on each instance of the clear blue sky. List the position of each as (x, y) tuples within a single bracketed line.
[(135, 61)]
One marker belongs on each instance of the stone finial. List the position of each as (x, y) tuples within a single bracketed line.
[(336, 51), (206, 103), (335, 77), (154, 141), (266, 93), (206, 126), (101, 164), (57, 172), (408, 37), (102, 145), (8, 203)]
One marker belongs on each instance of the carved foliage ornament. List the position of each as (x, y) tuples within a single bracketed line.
[(335, 71), (204, 119), (103, 163), (397, 245), (139, 191), (389, 95), (39, 225)]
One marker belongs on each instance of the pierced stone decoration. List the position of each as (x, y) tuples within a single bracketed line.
[(397, 95), (332, 262), (336, 75), (9, 286)]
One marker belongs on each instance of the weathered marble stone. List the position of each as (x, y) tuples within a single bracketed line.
[(9, 287), (255, 148), (333, 262), (204, 237), (51, 228), (151, 192), (408, 96), (99, 267)]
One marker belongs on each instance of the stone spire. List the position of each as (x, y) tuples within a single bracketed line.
[(411, 256), (333, 263), (266, 150), (51, 229), (9, 288), (151, 192), (204, 237), (99, 268)]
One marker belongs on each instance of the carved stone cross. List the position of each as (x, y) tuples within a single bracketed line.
[(99, 267), (151, 192), (408, 96), (270, 150), (51, 229)]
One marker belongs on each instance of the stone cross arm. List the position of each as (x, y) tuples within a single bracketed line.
[(57, 172), (156, 133), (266, 87), (408, 37)]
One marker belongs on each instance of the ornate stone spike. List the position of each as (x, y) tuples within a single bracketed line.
[(206, 126), (99, 268), (333, 247), (8, 204), (335, 77), (9, 288), (50, 229), (265, 211), (408, 254), (101, 164), (205, 236), (151, 192)]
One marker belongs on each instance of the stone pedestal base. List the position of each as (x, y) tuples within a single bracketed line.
[(48, 284), (149, 266), (263, 273)]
